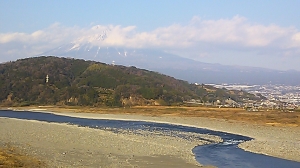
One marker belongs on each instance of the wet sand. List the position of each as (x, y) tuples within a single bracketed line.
[(71, 146)]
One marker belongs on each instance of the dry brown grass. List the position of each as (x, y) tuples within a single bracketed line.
[(273, 118), (11, 157)]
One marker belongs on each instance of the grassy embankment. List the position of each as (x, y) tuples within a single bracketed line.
[(272, 118), (11, 157)]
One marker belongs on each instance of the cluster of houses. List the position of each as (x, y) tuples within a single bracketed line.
[(279, 97), (249, 105)]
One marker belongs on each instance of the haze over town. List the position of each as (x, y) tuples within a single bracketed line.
[(249, 33)]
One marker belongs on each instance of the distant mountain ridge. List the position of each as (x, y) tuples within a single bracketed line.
[(173, 65), (69, 81)]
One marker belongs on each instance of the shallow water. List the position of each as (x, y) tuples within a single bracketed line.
[(225, 154)]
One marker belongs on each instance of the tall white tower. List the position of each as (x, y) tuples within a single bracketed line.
[(47, 78)]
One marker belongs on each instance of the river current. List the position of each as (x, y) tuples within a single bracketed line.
[(224, 155)]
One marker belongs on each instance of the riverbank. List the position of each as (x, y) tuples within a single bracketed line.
[(282, 142), (268, 118), (62, 145)]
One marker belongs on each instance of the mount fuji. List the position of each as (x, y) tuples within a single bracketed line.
[(90, 48)]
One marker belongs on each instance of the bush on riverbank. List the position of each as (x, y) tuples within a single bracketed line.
[(11, 157)]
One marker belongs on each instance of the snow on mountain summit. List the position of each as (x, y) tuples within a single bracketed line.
[(95, 38)]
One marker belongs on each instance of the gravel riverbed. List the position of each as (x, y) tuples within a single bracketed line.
[(63, 145), (281, 142)]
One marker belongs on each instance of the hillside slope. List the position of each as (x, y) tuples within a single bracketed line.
[(88, 83)]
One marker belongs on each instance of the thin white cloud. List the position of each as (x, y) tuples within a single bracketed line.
[(199, 36)]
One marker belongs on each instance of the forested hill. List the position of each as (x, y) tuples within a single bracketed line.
[(88, 83)]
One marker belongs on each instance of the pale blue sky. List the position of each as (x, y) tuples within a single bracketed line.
[(30, 15), (264, 33)]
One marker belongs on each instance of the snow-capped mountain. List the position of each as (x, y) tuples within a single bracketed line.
[(91, 48), (142, 58)]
